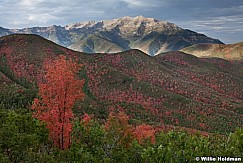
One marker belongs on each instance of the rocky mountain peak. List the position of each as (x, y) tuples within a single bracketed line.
[(130, 26), (125, 24), (81, 25)]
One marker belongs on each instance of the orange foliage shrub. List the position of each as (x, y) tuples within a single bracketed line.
[(119, 125), (144, 132)]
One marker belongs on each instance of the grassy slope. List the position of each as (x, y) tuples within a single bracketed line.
[(173, 89), (228, 52)]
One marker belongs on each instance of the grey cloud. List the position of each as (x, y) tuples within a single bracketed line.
[(227, 28), (145, 3)]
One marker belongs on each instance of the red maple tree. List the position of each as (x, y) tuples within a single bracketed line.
[(58, 93)]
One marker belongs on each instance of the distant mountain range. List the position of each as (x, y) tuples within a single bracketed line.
[(228, 52), (172, 89), (146, 34)]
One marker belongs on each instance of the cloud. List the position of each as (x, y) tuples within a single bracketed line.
[(144, 3), (29, 3), (47, 12), (222, 23), (226, 28), (41, 18)]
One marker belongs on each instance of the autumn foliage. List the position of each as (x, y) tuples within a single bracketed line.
[(144, 132), (58, 93), (119, 128), (125, 133), (86, 119)]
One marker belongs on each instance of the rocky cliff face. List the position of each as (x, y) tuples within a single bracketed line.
[(146, 34)]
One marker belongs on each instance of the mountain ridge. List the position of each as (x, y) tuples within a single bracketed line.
[(173, 88), (149, 35), (227, 51)]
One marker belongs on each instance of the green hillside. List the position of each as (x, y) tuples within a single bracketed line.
[(228, 52)]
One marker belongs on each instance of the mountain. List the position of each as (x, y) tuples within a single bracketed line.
[(4, 31), (146, 34), (173, 89), (228, 52)]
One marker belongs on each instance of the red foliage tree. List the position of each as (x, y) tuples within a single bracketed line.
[(118, 126), (58, 93), (86, 119), (125, 133), (144, 132)]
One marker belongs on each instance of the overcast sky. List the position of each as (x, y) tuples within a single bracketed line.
[(222, 19)]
